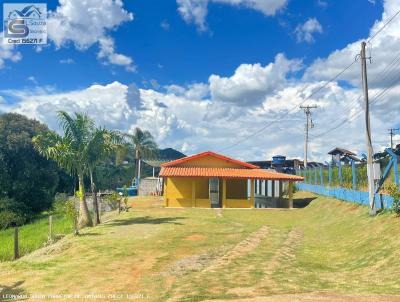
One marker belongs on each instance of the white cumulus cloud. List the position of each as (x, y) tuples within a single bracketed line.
[(8, 53), (225, 110), (304, 32), (89, 22), (195, 11), (252, 82)]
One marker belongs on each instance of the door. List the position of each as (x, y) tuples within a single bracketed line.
[(214, 192)]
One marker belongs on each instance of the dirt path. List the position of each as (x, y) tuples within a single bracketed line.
[(242, 248), (283, 257), (205, 264)]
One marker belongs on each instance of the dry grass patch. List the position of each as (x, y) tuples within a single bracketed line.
[(329, 250)]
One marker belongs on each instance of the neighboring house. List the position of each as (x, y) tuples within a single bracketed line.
[(343, 155), (280, 164), (211, 180)]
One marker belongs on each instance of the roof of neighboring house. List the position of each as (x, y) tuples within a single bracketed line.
[(227, 173), (154, 162), (355, 158), (340, 151), (209, 153)]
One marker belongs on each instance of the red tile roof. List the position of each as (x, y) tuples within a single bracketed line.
[(226, 173), (209, 153)]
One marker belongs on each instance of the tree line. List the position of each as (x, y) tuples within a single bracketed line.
[(36, 162)]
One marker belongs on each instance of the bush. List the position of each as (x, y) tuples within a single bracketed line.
[(394, 192), (60, 201), (12, 213), (113, 200), (66, 207)]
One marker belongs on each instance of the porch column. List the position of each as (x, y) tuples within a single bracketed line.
[(193, 193), (290, 194), (252, 193), (165, 192), (224, 193)]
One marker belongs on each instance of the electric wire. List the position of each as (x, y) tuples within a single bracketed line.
[(313, 93), (386, 73)]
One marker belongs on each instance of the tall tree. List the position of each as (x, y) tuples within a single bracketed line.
[(143, 145), (71, 152), (102, 143), (27, 178)]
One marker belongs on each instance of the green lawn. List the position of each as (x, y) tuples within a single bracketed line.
[(328, 248), (32, 236)]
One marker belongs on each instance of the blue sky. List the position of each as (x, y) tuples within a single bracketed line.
[(181, 69), (182, 54)]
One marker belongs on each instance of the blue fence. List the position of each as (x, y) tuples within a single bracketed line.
[(381, 201)]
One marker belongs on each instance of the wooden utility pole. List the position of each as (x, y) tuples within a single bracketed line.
[(16, 244), (370, 151), (392, 132), (50, 229), (309, 125)]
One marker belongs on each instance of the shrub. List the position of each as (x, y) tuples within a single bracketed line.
[(59, 204), (394, 192), (66, 206), (12, 213), (113, 200)]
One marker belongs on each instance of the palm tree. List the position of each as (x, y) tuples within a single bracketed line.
[(71, 152), (144, 145), (103, 142)]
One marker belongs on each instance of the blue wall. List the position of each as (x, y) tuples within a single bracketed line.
[(381, 201)]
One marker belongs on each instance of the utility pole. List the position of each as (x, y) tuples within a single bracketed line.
[(309, 125), (370, 163), (392, 132)]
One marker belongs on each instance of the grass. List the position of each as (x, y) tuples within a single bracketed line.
[(177, 254), (32, 236)]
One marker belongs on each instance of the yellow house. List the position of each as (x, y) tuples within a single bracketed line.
[(211, 180)]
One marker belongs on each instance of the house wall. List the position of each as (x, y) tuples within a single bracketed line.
[(186, 192), (194, 192), (178, 192), (209, 162)]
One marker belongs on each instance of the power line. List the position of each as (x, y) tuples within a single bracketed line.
[(312, 94), (354, 102), (390, 67), (378, 96), (384, 25), (291, 110)]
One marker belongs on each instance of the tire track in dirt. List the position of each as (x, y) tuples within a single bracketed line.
[(241, 249), (284, 256), (244, 247)]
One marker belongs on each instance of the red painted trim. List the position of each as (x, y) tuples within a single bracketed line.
[(226, 173), (210, 153)]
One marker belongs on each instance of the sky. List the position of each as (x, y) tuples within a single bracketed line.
[(220, 75)]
